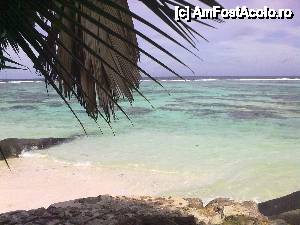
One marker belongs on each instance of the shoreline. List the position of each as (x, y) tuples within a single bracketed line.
[(147, 210), (44, 186), (170, 78), (39, 182)]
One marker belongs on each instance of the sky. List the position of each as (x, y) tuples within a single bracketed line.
[(235, 48)]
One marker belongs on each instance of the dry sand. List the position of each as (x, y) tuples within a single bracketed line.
[(40, 182)]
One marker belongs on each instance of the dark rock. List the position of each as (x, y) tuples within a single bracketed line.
[(108, 210), (194, 203), (219, 202), (243, 220), (291, 217), (225, 208), (188, 220), (280, 205), (278, 222), (165, 220), (13, 147), (160, 220)]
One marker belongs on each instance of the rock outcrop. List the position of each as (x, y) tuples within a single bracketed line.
[(280, 205), (107, 210), (285, 209), (13, 147)]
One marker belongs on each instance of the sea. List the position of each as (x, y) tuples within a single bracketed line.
[(236, 137)]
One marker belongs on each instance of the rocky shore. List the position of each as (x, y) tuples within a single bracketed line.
[(13, 147), (107, 210)]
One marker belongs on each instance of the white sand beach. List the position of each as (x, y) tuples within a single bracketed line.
[(40, 182)]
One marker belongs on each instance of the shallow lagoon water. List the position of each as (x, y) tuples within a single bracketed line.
[(235, 138)]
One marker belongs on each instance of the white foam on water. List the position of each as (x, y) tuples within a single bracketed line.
[(266, 79), (228, 79), (21, 81), (26, 154), (174, 80), (206, 80), (83, 164), (179, 80), (162, 171), (61, 161)]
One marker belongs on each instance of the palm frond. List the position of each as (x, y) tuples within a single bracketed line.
[(13, 64), (88, 48)]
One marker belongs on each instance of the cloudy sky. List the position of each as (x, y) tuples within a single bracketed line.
[(236, 47)]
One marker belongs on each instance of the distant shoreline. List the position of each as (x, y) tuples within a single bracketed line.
[(207, 78), (187, 78)]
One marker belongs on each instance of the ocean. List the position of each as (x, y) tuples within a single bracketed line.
[(237, 138)]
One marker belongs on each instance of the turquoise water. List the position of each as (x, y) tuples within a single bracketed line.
[(235, 138)]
